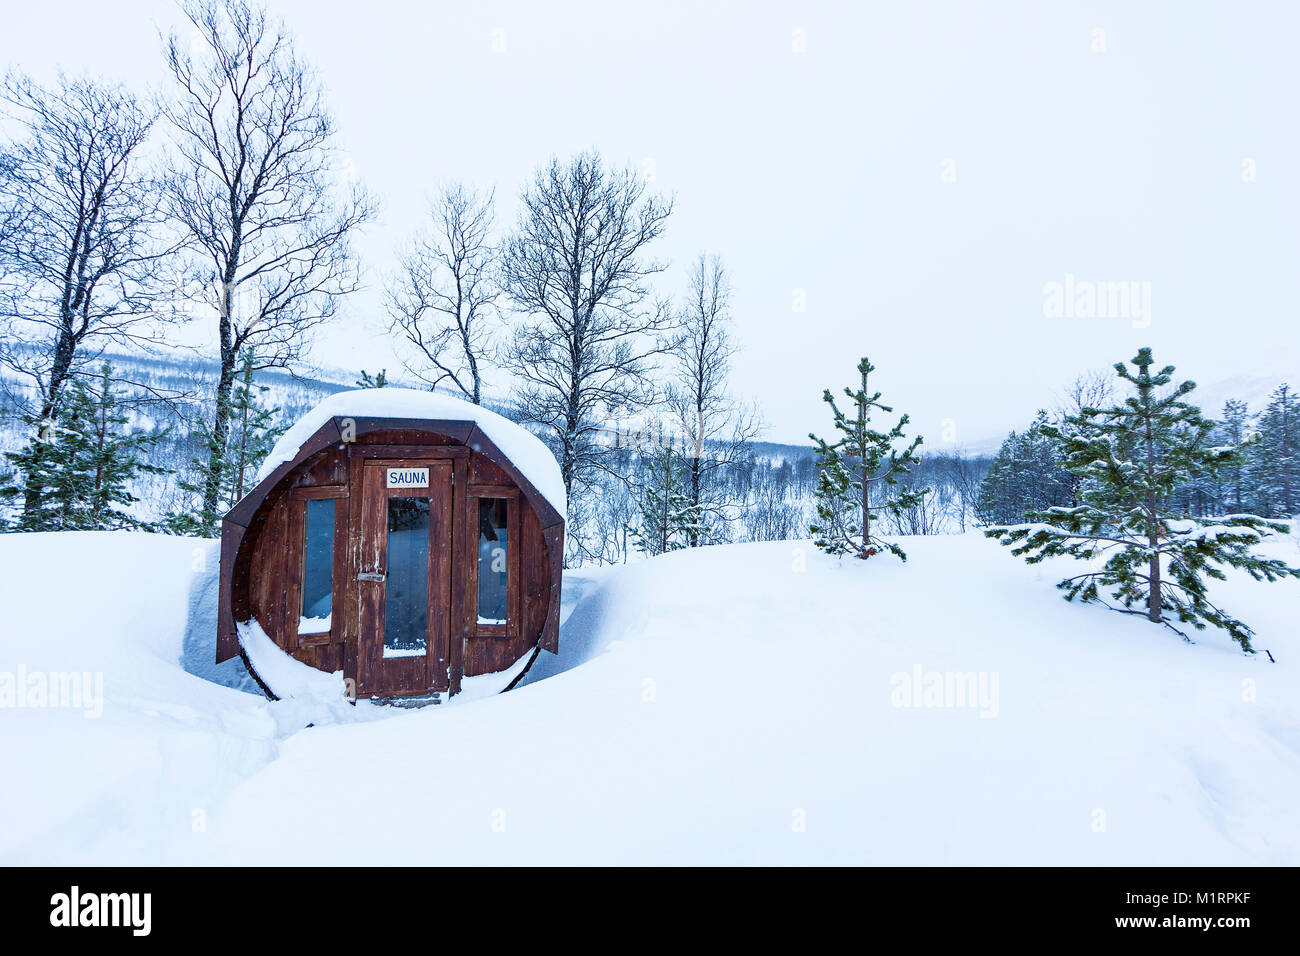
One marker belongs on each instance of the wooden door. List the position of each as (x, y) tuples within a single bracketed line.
[(404, 579)]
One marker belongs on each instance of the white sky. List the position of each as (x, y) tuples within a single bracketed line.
[(821, 171)]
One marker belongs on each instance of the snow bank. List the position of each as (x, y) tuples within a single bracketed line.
[(758, 704), (522, 447), (734, 705), (284, 675)]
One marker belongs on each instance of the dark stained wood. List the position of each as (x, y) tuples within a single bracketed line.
[(536, 574), (417, 430), (482, 445), (232, 589), (295, 558), (483, 490), (404, 675), (484, 471), (351, 603), (328, 468), (320, 491), (550, 636), (242, 513), (422, 452), (441, 561), (295, 525), (266, 571), (462, 603), (370, 594), (262, 540)]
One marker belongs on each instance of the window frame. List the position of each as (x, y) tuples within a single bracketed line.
[(297, 563), (514, 598)]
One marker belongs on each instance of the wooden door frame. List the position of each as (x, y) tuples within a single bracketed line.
[(442, 560)]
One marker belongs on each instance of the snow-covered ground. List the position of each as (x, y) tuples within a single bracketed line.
[(742, 704)]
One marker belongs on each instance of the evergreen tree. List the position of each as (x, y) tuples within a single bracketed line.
[(84, 462), (9, 493), (1277, 470), (252, 432), (1026, 476), (1131, 458), (1234, 430), (378, 380), (862, 461), (668, 518)]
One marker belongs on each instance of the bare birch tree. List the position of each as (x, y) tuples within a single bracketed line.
[(577, 267), (714, 426), (443, 300), (255, 191), (80, 263)]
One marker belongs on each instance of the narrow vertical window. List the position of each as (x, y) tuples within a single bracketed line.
[(317, 567), (406, 595), (493, 553)]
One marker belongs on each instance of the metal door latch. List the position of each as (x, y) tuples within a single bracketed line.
[(376, 576)]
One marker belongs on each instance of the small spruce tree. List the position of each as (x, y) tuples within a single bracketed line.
[(1132, 457), (378, 380), (856, 473), (1277, 466), (87, 461), (253, 432), (1025, 476), (668, 518), (1236, 431)]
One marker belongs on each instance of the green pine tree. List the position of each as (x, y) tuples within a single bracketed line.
[(856, 473), (1025, 476), (1277, 464), (1234, 429), (87, 461), (253, 432), (378, 380), (668, 518), (1131, 458)]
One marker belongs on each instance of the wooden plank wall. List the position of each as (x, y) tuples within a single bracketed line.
[(264, 577)]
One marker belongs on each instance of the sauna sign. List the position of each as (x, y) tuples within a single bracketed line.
[(408, 478)]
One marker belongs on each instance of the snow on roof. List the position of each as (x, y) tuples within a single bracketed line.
[(524, 449)]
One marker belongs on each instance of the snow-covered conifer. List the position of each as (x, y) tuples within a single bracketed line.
[(861, 461), (1277, 468), (1152, 558), (251, 432), (84, 461), (668, 517)]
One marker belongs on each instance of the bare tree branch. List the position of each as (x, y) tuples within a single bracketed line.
[(443, 301), (714, 426), (254, 191), (81, 266), (577, 266)]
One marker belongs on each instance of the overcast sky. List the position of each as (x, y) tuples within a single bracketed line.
[(915, 174)]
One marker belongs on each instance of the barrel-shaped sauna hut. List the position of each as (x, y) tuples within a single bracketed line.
[(406, 538)]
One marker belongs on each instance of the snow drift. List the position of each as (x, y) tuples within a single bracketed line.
[(740, 704)]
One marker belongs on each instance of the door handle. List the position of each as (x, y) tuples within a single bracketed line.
[(376, 576)]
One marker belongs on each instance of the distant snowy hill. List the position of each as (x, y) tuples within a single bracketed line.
[(1254, 390), (189, 385), (733, 705)]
